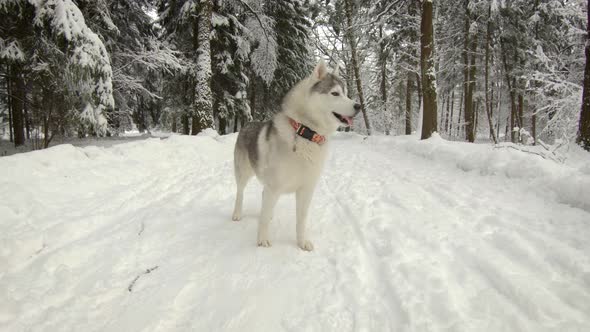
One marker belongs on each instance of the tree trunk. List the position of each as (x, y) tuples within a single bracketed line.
[(195, 125), (459, 118), (498, 111), (383, 83), (513, 111), (174, 123), (469, 47), (27, 114), (429, 113), (450, 128), (520, 114), (409, 87), (533, 108), (511, 89), (185, 125), (203, 107), (222, 126), (508, 121), (9, 103), (487, 74), (18, 105), (584, 125), (469, 110), (475, 117), (445, 122), (355, 64), (47, 137), (419, 90)]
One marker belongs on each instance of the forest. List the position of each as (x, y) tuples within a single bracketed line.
[(471, 70)]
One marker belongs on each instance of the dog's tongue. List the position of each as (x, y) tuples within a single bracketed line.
[(348, 120)]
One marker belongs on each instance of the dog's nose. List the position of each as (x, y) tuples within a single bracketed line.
[(357, 107)]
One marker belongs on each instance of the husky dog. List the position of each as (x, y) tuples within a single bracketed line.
[(287, 153)]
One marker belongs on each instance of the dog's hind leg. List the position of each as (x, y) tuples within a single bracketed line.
[(269, 200), (243, 173)]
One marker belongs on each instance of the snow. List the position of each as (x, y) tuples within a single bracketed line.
[(410, 236), (218, 20), (11, 51)]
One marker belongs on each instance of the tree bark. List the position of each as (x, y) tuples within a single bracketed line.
[(450, 128), (203, 107), (222, 126), (469, 47), (195, 125), (533, 108), (459, 118), (520, 114), (429, 112), (409, 87), (511, 89), (584, 125), (383, 83), (185, 124), (445, 123), (353, 54), (498, 110), (487, 74), (419, 90), (469, 109), (18, 105), (9, 103)]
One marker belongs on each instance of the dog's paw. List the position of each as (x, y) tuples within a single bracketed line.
[(264, 243), (305, 245), (236, 216)]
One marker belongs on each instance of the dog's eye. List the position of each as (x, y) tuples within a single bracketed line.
[(335, 94)]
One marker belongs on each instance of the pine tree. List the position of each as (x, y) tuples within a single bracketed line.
[(72, 68)]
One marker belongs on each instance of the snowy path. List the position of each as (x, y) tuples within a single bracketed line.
[(409, 236)]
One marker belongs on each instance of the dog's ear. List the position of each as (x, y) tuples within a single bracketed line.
[(320, 70), (336, 71)]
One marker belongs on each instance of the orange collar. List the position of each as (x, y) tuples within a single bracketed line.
[(307, 133)]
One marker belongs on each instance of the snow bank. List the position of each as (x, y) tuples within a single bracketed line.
[(567, 183)]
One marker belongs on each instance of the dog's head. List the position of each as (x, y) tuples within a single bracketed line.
[(322, 101), (329, 97)]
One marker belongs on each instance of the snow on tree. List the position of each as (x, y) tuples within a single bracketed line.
[(88, 58), (263, 59), (203, 106)]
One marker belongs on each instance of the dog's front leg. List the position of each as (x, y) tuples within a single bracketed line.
[(303, 198), (269, 200)]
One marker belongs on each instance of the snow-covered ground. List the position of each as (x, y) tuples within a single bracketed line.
[(409, 236), (7, 148)]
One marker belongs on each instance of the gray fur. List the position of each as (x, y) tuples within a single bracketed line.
[(270, 130), (327, 83), (248, 140)]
